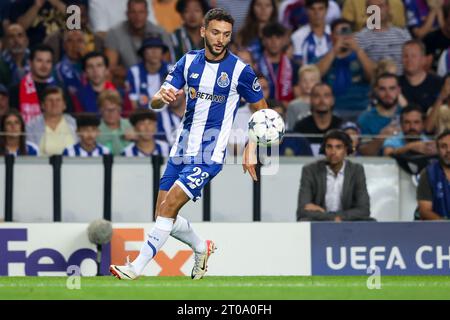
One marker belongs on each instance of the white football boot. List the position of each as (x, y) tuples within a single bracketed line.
[(125, 272), (201, 261)]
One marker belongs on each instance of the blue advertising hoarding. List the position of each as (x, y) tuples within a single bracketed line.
[(397, 248)]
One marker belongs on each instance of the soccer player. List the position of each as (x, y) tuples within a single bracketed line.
[(214, 80), (144, 123), (88, 131)]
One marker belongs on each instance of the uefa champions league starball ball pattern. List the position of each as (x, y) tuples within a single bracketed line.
[(266, 127)]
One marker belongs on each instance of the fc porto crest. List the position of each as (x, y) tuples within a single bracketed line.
[(223, 81)]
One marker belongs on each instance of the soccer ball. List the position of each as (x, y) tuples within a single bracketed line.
[(266, 127)]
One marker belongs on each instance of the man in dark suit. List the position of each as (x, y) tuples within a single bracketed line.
[(333, 189)]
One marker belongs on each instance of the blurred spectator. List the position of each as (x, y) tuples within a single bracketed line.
[(15, 55), (312, 41), (385, 42), (27, 95), (443, 99), (439, 40), (443, 119), (292, 13), (433, 192), (321, 119), (13, 137), (145, 78), (275, 65), (123, 41), (95, 80), (443, 67), (5, 9), (53, 130), (246, 56), (387, 66), (309, 76), (166, 14), (115, 131), (39, 17), (92, 41), (237, 8), (261, 13), (187, 37), (424, 16), (418, 86), (290, 145), (334, 189), (88, 132), (239, 131), (411, 139), (354, 133), (169, 120), (355, 12), (381, 120), (68, 70), (4, 100), (348, 70), (144, 123), (104, 16)]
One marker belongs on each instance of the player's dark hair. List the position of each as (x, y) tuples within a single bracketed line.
[(218, 14), (310, 3), (94, 54), (411, 108), (22, 138), (40, 48), (182, 4), (340, 135), (142, 114), (87, 120), (274, 29)]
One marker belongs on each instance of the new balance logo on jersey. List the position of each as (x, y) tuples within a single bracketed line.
[(194, 75)]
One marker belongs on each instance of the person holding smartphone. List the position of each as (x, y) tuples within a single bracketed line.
[(348, 70)]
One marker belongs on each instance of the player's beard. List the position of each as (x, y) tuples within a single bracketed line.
[(211, 48)]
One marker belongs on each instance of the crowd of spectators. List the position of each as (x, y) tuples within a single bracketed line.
[(322, 67), (86, 92)]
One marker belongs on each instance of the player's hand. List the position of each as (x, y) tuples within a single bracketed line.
[(169, 95), (249, 161)]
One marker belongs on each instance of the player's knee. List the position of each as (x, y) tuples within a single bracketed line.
[(167, 209)]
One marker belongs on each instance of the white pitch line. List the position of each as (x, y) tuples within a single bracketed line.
[(225, 285)]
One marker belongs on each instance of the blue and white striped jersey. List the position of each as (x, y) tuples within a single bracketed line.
[(161, 149), (32, 150), (213, 90), (168, 123), (77, 151)]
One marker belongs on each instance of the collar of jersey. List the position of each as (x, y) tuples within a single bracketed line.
[(218, 61)]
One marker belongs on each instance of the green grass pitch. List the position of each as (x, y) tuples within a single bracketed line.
[(227, 288)]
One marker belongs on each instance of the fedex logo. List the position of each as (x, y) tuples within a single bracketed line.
[(32, 262), (55, 261)]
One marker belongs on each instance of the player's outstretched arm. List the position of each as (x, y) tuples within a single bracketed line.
[(261, 104), (249, 157), (163, 97)]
